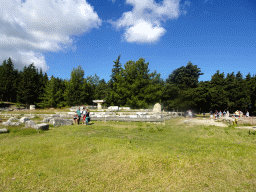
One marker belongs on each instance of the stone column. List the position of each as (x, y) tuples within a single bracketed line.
[(99, 106)]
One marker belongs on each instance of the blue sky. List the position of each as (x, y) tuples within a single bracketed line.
[(59, 35)]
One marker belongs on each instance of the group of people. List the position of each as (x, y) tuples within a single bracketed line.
[(240, 114), (219, 114), (84, 114)]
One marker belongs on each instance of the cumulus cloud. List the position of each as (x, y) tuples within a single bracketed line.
[(144, 32), (31, 27), (143, 23)]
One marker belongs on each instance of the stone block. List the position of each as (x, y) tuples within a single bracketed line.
[(47, 119), (32, 107), (125, 108), (61, 122), (24, 119), (10, 123), (113, 108), (42, 126), (4, 130), (30, 124), (15, 123), (158, 116), (13, 119), (7, 123)]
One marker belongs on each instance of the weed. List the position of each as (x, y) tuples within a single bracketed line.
[(148, 125), (152, 130), (252, 132)]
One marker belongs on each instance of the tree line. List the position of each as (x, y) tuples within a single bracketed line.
[(131, 85)]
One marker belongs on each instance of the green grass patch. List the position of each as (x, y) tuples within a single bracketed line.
[(129, 156)]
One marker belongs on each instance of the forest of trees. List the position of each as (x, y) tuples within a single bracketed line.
[(130, 85)]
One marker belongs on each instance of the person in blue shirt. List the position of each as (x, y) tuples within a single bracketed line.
[(79, 115)]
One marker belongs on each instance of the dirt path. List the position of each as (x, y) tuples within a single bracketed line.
[(204, 121)]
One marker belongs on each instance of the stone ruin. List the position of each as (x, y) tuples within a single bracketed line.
[(99, 103), (32, 124), (13, 121), (57, 121), (157, 108)]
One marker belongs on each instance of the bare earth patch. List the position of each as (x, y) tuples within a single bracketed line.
[(205, 122)]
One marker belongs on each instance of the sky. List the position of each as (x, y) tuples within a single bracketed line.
[(60, 35)]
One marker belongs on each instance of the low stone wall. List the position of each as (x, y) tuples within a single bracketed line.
[(246, 120), (239, 120)]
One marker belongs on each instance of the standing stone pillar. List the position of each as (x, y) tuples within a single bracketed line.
[(157, 108)]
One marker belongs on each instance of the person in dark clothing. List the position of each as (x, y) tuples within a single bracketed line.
[(87, 114)]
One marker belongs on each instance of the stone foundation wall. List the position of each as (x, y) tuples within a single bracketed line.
[(246, 120)]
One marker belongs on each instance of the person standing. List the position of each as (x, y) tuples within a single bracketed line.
[(211, 114), (247, 114), (87, 119), (220, 114), (83, 115), (216, 114), (224, 113), (79, 115), (74, 118)]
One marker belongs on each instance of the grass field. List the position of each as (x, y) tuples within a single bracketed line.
[(123, 156)]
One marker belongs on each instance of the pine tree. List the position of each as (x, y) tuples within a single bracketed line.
[(73, 92), (8, 81), (28, 85), (113, 98), (53, 93)]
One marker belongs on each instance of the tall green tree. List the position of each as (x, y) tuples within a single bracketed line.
[(140, 88), (242, 95), (41, 84), (53, 93), (230, 88), (8, 81), (116, 69), (74, 87), (113, 98), (101, 90), (28, 85), (218, 95), (185, 77)]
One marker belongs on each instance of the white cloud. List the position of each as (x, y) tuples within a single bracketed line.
[(31, 27), (144, 32), (143, 23)]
